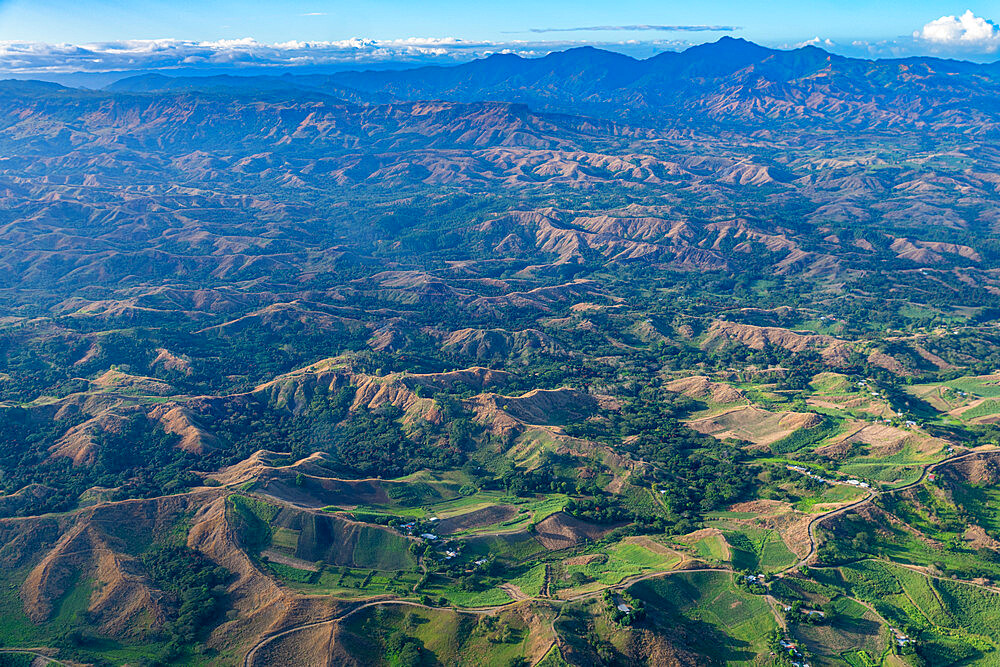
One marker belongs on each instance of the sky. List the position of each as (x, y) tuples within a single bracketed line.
[(47, 36)]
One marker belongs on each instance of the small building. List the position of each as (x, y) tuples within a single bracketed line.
[(428, 536)]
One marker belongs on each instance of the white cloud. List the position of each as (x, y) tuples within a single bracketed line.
[(967, 31), (27, 58), (816, 41), (634, 28)]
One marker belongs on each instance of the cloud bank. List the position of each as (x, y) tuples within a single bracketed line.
[(965, 36), (25, 58), (636, 28)]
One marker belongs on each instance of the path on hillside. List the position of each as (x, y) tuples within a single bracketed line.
[(924, 471), (629, 581), (248, 659), (624, 583), (35, 654)]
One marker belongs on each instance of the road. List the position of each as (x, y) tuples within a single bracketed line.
[(820, 518), (629, 581), (248, 659), (625, 583), (36, 654)]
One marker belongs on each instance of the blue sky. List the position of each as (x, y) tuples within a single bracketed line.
[(35, 33)]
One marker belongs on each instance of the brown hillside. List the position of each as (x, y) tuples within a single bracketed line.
[(481, 517), (700, 386), (754, 424), (561, 531)]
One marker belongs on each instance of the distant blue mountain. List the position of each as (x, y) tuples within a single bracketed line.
[(731, 80)]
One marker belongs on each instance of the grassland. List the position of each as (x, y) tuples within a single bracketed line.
[(954, 621), (609, 565), (532, 581), (832, 494), (758, 550), (985, 386), (721, 621), (854, 634), (987, 408), (444, 637), (511, 548), (441, 587), (529, 510), (712, 548)]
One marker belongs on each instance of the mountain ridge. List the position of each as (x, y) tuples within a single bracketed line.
[(731, 82)]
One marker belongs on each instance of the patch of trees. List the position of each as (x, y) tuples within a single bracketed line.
[(362, 443), (622, 608), (694, 472), (197, 587), (139, 458)]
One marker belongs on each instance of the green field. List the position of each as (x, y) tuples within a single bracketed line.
[(806, 437), (833, 493), (383, 550), (444, 637), (721, 621), (530, 510), (346, 582), (623, 560), (985, 386), (984, 409), (758, 550), (440, 587), (887, 473), (956, 621), (854, 634), (712, 548), (532, 581), (513, 547), (830, 383)]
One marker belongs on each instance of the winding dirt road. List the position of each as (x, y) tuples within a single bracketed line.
[(248, 659), (629, 581), (624, 583), (34, 654), (820, 518)]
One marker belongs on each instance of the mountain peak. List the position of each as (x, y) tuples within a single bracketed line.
[(729, 46)]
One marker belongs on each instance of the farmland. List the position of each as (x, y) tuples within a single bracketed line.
[(716, 618)]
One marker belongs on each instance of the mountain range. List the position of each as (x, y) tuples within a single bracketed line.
[(729, 81)]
